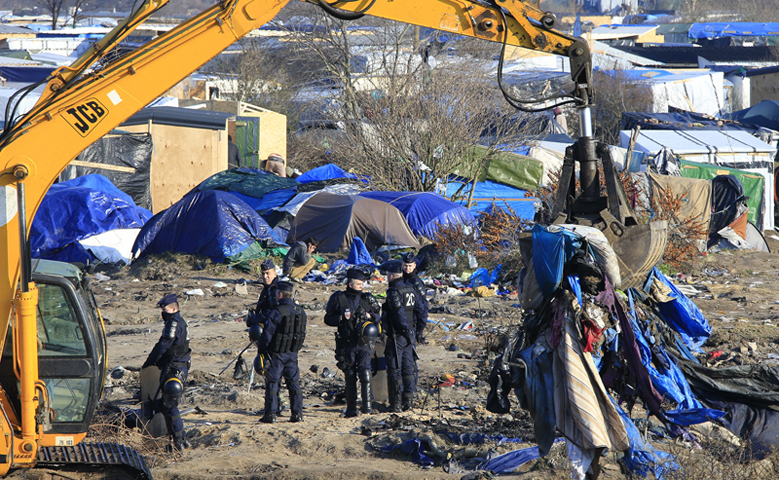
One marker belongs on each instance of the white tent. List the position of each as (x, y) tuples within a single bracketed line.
[(728, 148)]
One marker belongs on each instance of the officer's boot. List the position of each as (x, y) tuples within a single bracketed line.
[(409, 387), (394, 391), (271, 405), (366, 392), (180, 441), (350, 392)]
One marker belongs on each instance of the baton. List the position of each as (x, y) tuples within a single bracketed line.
[(236, 358)]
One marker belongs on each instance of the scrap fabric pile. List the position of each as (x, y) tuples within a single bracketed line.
[(588, 352)]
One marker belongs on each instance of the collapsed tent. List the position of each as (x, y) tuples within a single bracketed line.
[(425, 212), (334, 220), (212, 223), (81, 208), (328, 172)]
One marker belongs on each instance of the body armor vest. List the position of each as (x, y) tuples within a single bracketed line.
[(291, 331), (408, 297), (349, 330)]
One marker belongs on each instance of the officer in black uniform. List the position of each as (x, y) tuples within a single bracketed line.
[(410, 276), (398, 312), (356, 314), (172, 355), (269, 279), (281, 337)]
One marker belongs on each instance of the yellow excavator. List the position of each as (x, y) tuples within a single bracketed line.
[(53, 364)]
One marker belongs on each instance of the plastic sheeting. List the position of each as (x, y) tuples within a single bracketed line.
[(211, 223), (358, 254), (425, 212), (270, 201), (687, 120), (293, 206), (683, 315), (641, 457), (252, 183), (551, 249), (488, 193), (712, 30), (327, 172), (334, 220), (130, 150), (764, 114), (78, 209)]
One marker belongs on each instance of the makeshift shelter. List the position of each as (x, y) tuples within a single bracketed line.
[(425, 212), (211, 223), (334, 220), (80, 209), (734, 150), (696, 90)]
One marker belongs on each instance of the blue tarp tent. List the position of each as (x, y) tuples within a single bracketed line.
[(488, 192), (425, 211), (327, 172), (212, 223), (78, 209)]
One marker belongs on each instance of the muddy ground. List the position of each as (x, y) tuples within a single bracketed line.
[(739, 294)]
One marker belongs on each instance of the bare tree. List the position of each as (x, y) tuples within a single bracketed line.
[(53, 8), (256, 72), (77, 10), (615, 93)]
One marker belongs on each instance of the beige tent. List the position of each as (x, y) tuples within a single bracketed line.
[(334, 220)]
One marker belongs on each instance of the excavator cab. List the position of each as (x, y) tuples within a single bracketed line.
[(71, 352)]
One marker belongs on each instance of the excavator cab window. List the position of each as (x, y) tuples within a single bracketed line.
[(71, 361)]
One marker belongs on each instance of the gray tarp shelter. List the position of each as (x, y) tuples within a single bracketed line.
[(334, 220)]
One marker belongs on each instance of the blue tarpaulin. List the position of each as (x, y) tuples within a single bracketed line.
[(488, 193), (683, 316), (668, 379), (642, 457), (269, 201), (78, 209), (212, 223), (425, 212), (551, 249), (327, 172), (358, 254), (712, 30)]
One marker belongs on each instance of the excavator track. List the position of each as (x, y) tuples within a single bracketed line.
[(101, 460)]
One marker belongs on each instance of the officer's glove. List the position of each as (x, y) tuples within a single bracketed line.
[(410, 338), (421, 339)]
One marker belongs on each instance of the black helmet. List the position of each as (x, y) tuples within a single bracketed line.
[(260, 363), (369, 334), (171, 392), (255, 332)]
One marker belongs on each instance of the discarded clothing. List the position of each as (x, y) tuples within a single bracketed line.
[(642, 457)]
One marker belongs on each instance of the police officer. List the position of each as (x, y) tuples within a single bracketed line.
[(281, 337), (410, 276), (172, 355), (356, 314), (267, 298), (399, 309)]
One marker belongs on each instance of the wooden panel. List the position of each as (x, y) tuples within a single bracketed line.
[(273, 134), (182, 158)]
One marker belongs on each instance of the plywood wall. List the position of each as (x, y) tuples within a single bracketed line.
[(182, 158)]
